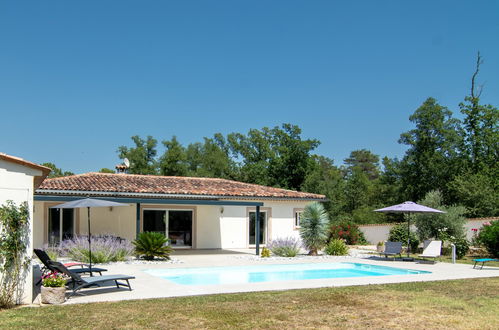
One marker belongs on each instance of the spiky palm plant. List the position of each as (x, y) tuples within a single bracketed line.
[(313, 227), (152, 244)]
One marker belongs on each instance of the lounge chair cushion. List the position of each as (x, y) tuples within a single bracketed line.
[(392, 248), (105, 278), (433, 250)]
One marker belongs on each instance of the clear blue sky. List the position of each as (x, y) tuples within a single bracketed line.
[(79, 78)]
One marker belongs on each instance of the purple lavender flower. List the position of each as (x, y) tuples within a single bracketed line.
[(105, 248), (285, 246)]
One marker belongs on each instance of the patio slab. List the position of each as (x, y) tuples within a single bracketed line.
[(147, 286)]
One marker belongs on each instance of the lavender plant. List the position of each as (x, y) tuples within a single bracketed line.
[(104, 249), (284, 247), (52, 251)]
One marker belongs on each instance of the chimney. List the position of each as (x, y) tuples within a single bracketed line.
[(121, 169)]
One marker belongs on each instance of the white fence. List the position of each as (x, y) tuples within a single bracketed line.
[(375, 233)]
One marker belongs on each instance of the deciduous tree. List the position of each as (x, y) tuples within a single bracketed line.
[(174, 160), (432, 159), (142, 157), (56, 172)]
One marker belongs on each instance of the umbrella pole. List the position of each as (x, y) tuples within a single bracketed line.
[(408, 235), (89, 241)]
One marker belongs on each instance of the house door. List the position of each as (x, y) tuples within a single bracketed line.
[(263, 227), (174, 224), (61, 225)]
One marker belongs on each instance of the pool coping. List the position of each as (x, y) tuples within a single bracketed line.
[(146, 286)]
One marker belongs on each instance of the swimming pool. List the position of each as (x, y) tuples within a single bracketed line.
[(274, 273)]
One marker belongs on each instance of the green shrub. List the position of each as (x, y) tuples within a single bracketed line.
[(347, 231), (439, 226), (152, 244), (489, 237), (336, 247), (462, 247), (14, 242), (398, 233), (313, 227), (265, 253)]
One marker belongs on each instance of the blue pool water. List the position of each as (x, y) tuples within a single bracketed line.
[(274, 273)]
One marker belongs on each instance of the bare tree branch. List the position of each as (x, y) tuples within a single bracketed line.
[(474, 95)]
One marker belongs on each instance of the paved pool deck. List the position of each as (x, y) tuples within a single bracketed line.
[(147, 286)]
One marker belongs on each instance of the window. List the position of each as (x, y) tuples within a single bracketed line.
[(61, 225), (298, 214)]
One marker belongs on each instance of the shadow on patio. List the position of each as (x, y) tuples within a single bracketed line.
[(194, 252)]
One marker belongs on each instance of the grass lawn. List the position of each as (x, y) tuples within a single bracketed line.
[(470, 304)]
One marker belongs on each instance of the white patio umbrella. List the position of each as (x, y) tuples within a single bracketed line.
[(88, 203), (409, 208)]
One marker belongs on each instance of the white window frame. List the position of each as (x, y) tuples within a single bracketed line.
[(297, 214), (266, 226)]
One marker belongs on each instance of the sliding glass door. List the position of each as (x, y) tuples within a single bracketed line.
[(61, 225), (263, 228), (174, 224)]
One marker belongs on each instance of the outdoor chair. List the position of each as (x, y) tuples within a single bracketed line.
[(426, 242), (392, 249), (433, 250), (77, 282), (45, 259)]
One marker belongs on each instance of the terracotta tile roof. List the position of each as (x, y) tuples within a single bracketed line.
[(170, 185)]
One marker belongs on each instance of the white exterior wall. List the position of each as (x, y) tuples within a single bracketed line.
[(118, 221), (235, 222), (38, 226), (233, 226), (376, 233), (16, 184), (208, 227), (283, 219), (214, 226)]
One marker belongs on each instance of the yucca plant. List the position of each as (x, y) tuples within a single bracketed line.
[(152, 244), (314, 227)]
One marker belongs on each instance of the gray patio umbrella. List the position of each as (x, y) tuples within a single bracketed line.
[(408, 207), (88, 203)]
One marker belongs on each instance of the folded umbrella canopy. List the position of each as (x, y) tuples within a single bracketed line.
[(408, 207), (88, 203)]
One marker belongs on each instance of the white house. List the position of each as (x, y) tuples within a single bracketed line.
[(18, 180), (195, 213)]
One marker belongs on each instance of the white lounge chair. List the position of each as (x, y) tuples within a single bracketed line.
[(433, 250)]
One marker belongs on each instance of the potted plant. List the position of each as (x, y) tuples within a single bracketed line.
[(380, 247), (53, 289)]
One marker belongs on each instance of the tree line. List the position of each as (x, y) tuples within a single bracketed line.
[(457, 157)]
